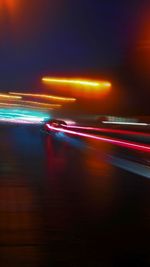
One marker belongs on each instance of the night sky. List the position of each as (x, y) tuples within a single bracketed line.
[(91, 38)]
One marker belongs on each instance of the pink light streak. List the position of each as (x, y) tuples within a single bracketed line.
[(108, 130), (131, 145)]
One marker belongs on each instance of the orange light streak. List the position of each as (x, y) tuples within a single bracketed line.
[(9, 96), (52, 97), (99, 84)]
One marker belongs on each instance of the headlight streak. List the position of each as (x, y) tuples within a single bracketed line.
[(126, 123), (131, 145), (51, 97)]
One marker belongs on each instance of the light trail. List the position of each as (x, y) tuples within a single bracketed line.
[(77, 82), (39, 104), (52, 97), (22, 114), (42, 104), (11, 105), (126, 123), (9, 96), (131, 145), (130, 166), (126, 132), (10, 120)]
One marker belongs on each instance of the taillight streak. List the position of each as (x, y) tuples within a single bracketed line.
[(123, 143), (125, 132)]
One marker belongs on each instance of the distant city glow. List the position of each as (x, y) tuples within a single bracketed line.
[(9, 4), (123, 143), (77, 82), (51, 97)]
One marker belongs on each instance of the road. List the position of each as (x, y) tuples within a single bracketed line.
[(71, 202)]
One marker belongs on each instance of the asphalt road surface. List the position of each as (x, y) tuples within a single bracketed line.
[(71, 202)]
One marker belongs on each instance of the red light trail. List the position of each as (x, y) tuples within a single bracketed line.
[(108, 130), (123, 143)]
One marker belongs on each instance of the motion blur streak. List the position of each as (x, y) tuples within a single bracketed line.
[(133, 167), (108, 140), (9, 96), (10, 105), (41, 104), (126, 123), (72, 140), (19, 121), (52, 97), (108, 130), (77, 82), (22, 115)]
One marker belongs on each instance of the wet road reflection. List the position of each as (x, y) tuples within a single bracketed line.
[(63, 204)]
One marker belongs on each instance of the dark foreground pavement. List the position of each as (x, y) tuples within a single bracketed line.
[(62, 203)]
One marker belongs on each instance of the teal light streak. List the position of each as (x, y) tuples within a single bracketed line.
[(23, 114)]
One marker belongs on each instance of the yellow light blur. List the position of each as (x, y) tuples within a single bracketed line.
[(52, 97), (100, 84), (9, 96)]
